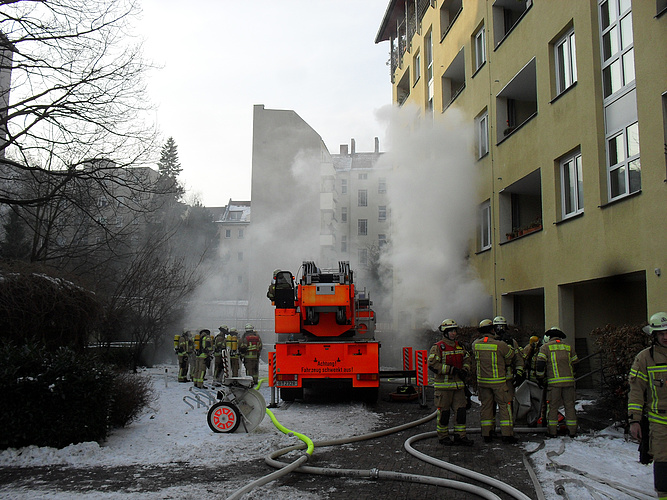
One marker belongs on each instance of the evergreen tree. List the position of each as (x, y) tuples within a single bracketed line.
[(169, 168)]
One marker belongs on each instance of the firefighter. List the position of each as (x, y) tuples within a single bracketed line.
[(515, 370), (251, 347), (181, 343), (192, 357), (555, 367), (492, 357), (202, 351), (271, 292), (529, 353), (648, 389), (451, 365), (233, 351), (219, 348)]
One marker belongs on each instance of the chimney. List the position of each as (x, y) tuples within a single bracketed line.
[(352, 147), (377, 145), (343, 149)]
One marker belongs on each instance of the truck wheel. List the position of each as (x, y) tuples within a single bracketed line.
[(223, 417), (291, 394)]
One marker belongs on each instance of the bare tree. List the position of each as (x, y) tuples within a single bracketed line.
[(76, 97)]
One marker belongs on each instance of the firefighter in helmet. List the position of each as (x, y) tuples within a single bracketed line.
[(181, 347), (529, 353), (555, 368), (202, 351), (493, 356), (219, 354), (251, 347), (233, 351), (515, 371), (451, 364), (648, 391)]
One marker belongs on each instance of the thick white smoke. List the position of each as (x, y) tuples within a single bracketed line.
[(434, 216)]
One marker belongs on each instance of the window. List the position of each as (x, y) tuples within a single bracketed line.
[(343, 214), (363, 177), (362, 227), (240, 233), (453, 80), (240, 256), (363, 197), (485, 225), (382, 240), (382, 185), (571, 185), (449, 11), (428, 49), (479, 52), (343, 244), (235, 215), (623, 162), (343, 186), (417, 68), (363, 256), (382, 213), (618, 58), (228, 233), (482, 127), (566, 62)]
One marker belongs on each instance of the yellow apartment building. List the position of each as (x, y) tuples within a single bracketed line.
[(569, 104)]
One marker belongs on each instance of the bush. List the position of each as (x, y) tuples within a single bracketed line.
[(59, 398), (130, 394), (618, 347)]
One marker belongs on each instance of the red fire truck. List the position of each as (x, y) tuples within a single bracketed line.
[(325, 331)]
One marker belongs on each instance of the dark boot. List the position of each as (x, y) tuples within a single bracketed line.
[(462, 441), (445, 441), (510, 439), (488, 439)]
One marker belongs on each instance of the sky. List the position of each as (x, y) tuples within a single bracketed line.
[(170, 430), (216, 59)]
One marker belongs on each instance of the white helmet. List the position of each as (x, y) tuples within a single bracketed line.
[(657, 323)]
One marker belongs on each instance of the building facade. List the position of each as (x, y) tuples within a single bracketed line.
[(569, 105)]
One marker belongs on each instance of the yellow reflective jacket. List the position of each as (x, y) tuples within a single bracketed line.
[(648, 385), (492, 356)]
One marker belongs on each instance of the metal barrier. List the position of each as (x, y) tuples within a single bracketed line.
[(599, 369)]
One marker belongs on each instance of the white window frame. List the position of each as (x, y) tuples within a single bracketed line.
[(571, 185), (480, 48), (628, 147), (362, 227), (382, 185), (363, 256), (565, 59), (428, 48), (382, 213), (417, 71), (619, 64), (482, 134), (240, 233), (362, 197), (228, 233), (343, 186), (343, 214), (485, 226)]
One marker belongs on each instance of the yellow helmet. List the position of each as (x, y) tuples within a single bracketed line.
[(485, 326)]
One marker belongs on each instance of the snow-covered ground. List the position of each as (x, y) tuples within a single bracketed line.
[(172, 432)]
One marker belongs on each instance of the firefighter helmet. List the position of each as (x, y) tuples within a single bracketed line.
[(448, 324), (205, 331), (500, 320), (223, 328), (552, 333), (249, 327), (233, 330), (485, 326), (657, 323), (534, 339)]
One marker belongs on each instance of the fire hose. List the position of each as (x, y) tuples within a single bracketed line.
[(297, 465)]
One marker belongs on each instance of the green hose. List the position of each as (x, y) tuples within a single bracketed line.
[(283, 429), (259, 383)]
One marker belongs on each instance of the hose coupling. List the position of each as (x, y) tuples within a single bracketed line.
[(374, 473)]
